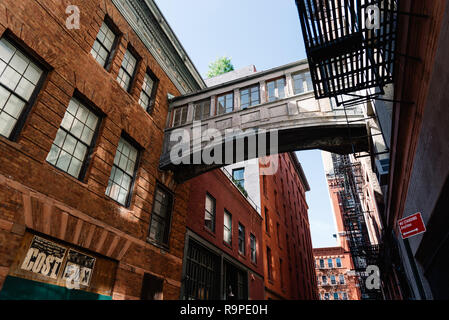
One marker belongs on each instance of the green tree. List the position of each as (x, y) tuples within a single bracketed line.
[(220, 66)]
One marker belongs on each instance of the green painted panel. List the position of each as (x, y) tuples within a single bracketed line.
[(16, 288)]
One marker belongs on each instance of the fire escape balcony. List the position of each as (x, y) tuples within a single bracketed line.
[(350, 44)]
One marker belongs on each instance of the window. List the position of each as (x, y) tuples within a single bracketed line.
[(123, 171), (161, 216), (345, 296), (336, 296), (127, 70), (326, 296), (249, 97), (241, 239), (239, 176), (333, 281), (201, 110), (227, 232), (342, 279), (267, 221), (253, 247), (321, 263), (225, 103), (152, 287), (324, 279), (209, 215), (104, 45), (74, 139), (148, 93), (329, 263), (302, 83), (179, 116), (338, 261), (269, 266), (276, 89), (19, 79)]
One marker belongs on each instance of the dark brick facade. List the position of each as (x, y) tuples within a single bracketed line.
[(288, 236), (36, 196), (229, 198)]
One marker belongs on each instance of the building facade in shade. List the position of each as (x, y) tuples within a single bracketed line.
[(223, 257), (84, 205), (351, 185), (289, 271), (335, 277)]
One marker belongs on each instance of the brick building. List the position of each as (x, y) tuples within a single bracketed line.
[(82, 113), (223, 256), (335, 278), (289, 264)]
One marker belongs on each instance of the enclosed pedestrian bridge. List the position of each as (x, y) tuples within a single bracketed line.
[(263, 113)]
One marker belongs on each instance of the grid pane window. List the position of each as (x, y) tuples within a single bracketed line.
[(338, 261), (225, 103), (103, 44), (333, 281), (201, 110), (323, 279), (302, 83), (253, 247), (276, 89), (330, 263), (179, 116), (19, 77), (209, 214), (269, 262), (148, 89), (122, 174), (227, 227), (161, 216), (345, 296), (239, 176), (126, 72), (249, 97), (336, 296), (342, 279), (73, 139), (241, 239)]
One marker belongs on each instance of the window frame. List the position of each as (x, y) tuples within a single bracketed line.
[(201, 103), (251, 238), (250, 104), (171, 203), (152, 99), (303, 77), (338, 262), (330, 263), (186, 107), (111, 54), (276, 89), (226, 212), (139, 149), (269, 264), (132, 78), (214, 214), (90, 149), (238, 180), (39, 62), (224, 95), (242, 227)]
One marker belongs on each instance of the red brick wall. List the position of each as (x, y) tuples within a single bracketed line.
[(38, 196), (228, 197), (289, 190)]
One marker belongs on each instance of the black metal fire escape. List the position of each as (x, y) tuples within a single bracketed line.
[(348, 175)]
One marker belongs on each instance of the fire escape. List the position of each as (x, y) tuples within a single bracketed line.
[(362, 251)]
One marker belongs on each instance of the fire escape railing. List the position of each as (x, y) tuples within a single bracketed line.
[(350, 44)]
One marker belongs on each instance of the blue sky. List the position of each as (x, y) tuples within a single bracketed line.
[(265, 33)]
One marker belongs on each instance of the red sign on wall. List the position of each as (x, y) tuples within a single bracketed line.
[(411, 225)]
